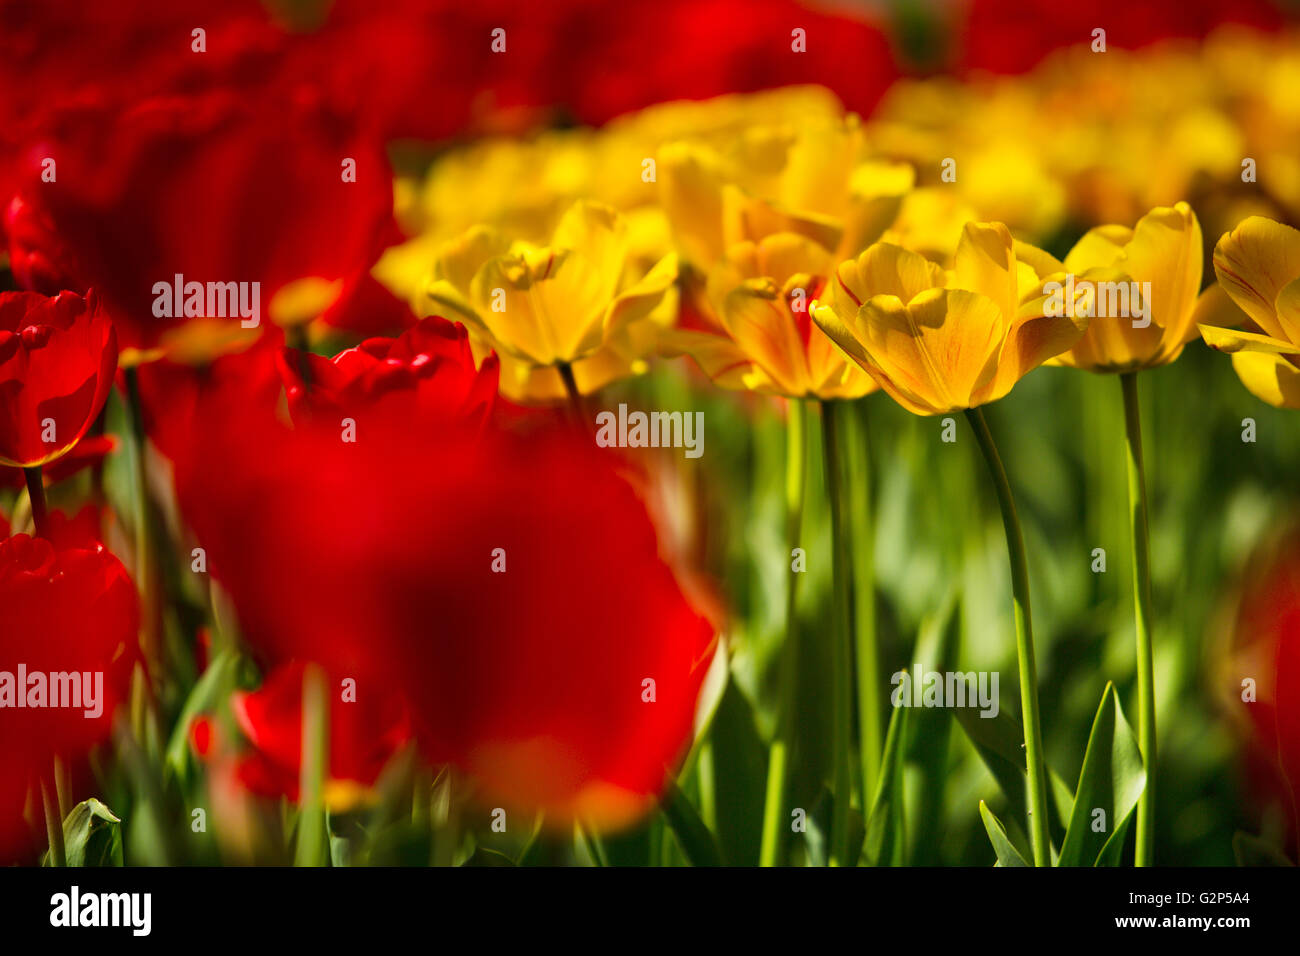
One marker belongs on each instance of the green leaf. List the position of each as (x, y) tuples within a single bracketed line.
[(697, 843), (216, 682), (929, 734), (1252, 851), (92, 835), (999, 741), (483, 856), (886, 836), (1007, 854), (1112, 780), (739, 777), (817, 834)]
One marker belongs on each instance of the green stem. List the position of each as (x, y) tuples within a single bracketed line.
[(36, 494), (841, 652), (778, 767), (144, 572), (1037, 768), (1137, 504), (53, 826), (313, 769), (866, 651), (576, 408)]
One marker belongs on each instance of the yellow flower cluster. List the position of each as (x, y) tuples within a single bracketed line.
[(795, 250)]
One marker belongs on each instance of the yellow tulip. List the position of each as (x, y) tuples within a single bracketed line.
[(749, 327), (578, 302), (1258, 265), (1164, 250), (940, 340)]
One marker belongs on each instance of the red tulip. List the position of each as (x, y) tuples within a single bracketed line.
[(365, 731), (62, 610), (88, 453), (213, 187), (427, 370), (57, 361), (510, 590)]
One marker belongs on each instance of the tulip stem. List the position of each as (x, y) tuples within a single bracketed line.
[(313, 769), (1037, 768), (576, 409), (778, 766), (144, 573), (1137, 505), (841, 652), (36, 494), (53, 826), (866, 652)]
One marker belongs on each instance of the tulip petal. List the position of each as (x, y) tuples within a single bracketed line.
[(1269, 377), (1254, 262), (985, 263), (1235, 340), (937, 351), (884, 269), (1166, 251)]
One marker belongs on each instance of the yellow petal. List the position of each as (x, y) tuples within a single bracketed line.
[(718, 356), (639, 301), (884, 269), (1269, 377), (759, 322), (1099, 247), (599, 233), (1254, 262), (690, 190), (746, 218), (1235, 340), (985, 263), (936, 352), (1166, 251)]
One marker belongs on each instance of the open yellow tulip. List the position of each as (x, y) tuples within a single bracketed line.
[(576, 306), (1258, 265), (1157, 267), (940, 340)]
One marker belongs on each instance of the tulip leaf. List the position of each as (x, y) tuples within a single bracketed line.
[(739, 768), (1000, 743), (92, 835), (211, 688), (885, 836), (695, 839), (1110, 783), (929, 734), (1252, 851), (1006, 852), (817, 836)]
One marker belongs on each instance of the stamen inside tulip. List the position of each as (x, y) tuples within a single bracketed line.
[(36, 336)]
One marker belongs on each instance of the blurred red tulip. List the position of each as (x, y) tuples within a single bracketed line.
[(63, 610), (1011, 36), (365, 731), (509, 589), (1267, 652), (214, 188), (57, 361)]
